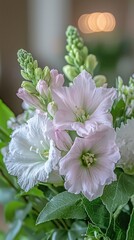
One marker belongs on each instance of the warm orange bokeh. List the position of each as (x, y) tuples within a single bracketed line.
[(97, 22)]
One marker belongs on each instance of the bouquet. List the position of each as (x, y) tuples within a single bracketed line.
[(67, 162)]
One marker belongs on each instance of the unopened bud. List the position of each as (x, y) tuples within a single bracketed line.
[(42, 88), (100, 80), (70, 72), (46, 74), (52, 108), (29, 87), (38, 73), (90, 63)]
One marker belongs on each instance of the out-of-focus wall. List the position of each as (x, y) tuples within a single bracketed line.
[(13, 36), (47, 23)]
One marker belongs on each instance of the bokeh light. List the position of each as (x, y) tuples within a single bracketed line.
[(96, 22)]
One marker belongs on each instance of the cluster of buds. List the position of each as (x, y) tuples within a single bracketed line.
[(32, 74), (30, 70), (78, 58), (38, 84), (126, 92)]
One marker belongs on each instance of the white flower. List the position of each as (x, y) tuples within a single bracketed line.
[(125, 142), (90, 163), (83, 107), (32, 155)]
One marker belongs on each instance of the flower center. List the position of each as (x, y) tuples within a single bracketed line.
[(88, 159), (81, 115), (44, 154)]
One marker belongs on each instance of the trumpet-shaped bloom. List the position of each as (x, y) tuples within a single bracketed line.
[(90, 163), (32, 155), (125, 142), (83, 106)]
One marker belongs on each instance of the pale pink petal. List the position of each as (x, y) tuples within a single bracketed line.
[(91, 179), (84, 105), (29, 98)]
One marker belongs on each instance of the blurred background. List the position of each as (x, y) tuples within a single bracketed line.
[(39, 27)]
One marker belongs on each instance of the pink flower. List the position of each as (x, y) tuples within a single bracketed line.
[(44, 88), (29, 99), (82, 106), (57, 80), (90, 163), (62, 140)]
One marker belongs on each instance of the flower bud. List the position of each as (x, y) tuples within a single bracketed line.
[(29, 87), (70, 72), (100, 80), (52, 108), (42, 88), (29, 98), (90, 63), (57, 80), (63, 140), (46, 74), (38, 73)]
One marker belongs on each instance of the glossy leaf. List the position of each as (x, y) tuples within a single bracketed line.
[(64, 205), (97, 212), (119, 192)]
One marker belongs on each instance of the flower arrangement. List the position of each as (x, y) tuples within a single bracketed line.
[(66, 163)]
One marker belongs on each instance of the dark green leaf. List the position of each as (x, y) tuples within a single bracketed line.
[(64, 205), (97, 212), (119, 192), (94, 233), (60, 234), (130, 232), (118, 112), (77, 230)]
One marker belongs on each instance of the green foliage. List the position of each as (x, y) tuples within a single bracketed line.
[(119, 192), (130, 231), (118, 113), (94, 209), (77, 58), (95, 233), (5, 115), (64, 205), (30, 70)]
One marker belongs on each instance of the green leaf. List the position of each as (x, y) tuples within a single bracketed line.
[(118, 112), (11, 208), (60, 234), (94, 233), (12, 233), (5, 115), (97, 212), (77, 230), (130, 232), (64, 205), (33, 192), (119, 192), (2, 235)]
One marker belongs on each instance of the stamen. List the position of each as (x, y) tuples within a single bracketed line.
[(88, 159), (81, 115)]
